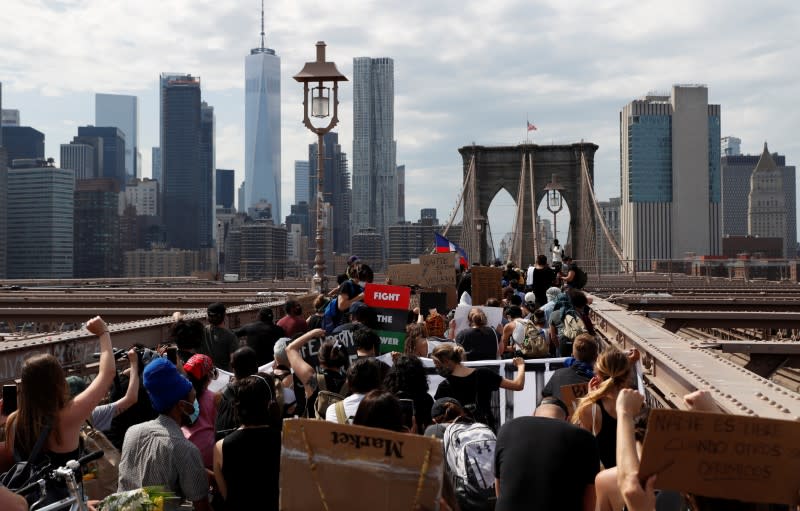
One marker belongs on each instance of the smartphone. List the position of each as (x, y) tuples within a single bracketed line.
[(407, 408), (9, 399)]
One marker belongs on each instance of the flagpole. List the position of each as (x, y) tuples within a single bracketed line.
[(527, 131)]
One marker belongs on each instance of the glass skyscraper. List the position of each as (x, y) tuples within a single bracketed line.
[(40, 222), (336, 190), (225, 188), (122, 112), (181, 163), (262, 129), (374, 149), (301, 180), (670, 176), (113, 151)]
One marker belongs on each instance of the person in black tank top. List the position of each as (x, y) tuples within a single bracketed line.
[(259, 438), (596, 411)]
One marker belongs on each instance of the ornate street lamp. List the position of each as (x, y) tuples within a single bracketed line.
[(554, 200), (316, 78)]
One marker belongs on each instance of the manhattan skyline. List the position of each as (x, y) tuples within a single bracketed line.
[(461, 75)]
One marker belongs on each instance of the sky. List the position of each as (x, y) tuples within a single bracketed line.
[(465, 71)]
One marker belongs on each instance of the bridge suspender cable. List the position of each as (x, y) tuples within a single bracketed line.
[(611, 241)]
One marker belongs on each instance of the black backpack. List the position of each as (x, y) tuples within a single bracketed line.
[(580, 278)]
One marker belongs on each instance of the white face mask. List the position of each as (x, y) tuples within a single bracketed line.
[(195, 412)]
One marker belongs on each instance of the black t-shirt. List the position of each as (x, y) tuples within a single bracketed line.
[(261, 337), (249, 488), (542, 281), (563, 463), (474, 390), (561, 377), (351, 289), (479, 343)]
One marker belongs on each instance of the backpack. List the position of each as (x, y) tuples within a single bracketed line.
[(573, 325), (469, 453), (325, 397), (332, 316), (534, 342), (580, 278)]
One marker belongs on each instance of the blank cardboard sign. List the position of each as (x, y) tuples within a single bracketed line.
[(357, 468), (725, 456)]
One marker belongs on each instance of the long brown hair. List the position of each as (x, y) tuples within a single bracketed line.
[(614, 367), (43, 394), (414, 332)]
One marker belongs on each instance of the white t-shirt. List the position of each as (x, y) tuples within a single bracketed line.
[(529, 278), (351, 403), (558, 253)]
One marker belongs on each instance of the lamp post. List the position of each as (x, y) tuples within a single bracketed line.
[(554, 200), (321, 73)]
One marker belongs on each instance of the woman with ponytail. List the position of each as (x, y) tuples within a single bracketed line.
[(596, 412)]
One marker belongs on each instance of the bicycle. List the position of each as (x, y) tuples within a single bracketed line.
[(67, 474)]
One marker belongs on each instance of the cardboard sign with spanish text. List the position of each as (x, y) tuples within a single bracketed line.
[(725, 456), (571, 394), (438, 270), (325, 465), (391, 305), (405, 274), (486, 284)]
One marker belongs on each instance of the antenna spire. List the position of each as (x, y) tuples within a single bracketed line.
[(262, 24)]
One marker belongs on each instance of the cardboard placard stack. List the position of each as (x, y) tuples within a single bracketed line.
[(724, 456), (357, 468), (486, 284)]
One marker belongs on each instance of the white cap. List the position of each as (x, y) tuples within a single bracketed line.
[(530, 297)]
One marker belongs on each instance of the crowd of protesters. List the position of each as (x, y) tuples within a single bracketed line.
[(218, 446)]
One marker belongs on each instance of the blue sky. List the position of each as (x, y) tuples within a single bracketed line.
[(465, 71)]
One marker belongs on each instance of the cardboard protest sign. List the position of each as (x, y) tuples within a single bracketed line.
[(725, 456), (486, 284), (391, 305), (494, 316), (438, 270), (325, 465), (405, 275), (571, 394)]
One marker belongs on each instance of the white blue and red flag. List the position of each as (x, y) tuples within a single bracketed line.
[(443, 245)]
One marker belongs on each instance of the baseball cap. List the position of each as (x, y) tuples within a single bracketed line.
[(530, 297), (164, 384)]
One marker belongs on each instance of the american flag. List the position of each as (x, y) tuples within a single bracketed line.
[(531, 127)]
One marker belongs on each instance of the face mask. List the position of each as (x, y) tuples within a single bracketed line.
[(195, 413)]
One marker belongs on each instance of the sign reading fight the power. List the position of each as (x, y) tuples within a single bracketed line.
[(391, 305)]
